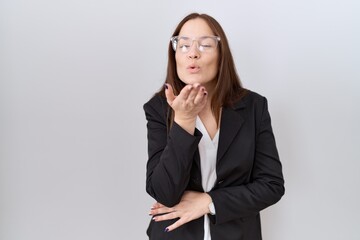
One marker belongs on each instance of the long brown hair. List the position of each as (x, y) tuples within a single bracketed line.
[(228, 88)]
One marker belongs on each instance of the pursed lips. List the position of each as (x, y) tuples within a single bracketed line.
[(193, 68)]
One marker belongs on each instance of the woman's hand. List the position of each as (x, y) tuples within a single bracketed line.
[(187, 105), (192, 206)]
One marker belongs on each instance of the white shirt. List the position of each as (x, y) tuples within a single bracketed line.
[(208, 152)]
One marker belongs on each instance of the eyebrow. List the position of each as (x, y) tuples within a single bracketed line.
[(186, 37)]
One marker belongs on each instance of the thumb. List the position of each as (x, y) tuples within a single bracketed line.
[(169, 93), (157, 205)]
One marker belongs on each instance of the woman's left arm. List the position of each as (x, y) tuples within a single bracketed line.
[(266, 186)]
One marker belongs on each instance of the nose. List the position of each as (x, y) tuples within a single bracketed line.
[(194, 51)]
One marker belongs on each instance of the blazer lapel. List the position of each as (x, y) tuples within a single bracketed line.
[(231, 122)]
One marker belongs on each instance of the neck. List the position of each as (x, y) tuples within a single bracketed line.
[(210, 88)]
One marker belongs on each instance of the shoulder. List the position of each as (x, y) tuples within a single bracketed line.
[(155, 101), (254, 96), (250, 99)]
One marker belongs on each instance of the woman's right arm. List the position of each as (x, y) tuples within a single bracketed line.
[(170, 154)]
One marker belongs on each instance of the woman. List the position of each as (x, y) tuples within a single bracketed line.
[(213, 163)]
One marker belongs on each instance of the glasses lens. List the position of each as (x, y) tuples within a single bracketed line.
[(184, 44), (204, 44), (207, 44)]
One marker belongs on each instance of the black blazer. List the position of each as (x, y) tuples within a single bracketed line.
[(249, 172)]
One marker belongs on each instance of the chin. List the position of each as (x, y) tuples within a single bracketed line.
[(192, 80)]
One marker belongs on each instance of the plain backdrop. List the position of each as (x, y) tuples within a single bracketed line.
[(74, 75)]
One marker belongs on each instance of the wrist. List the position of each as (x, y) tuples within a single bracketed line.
[(188, 124), (185, 119)]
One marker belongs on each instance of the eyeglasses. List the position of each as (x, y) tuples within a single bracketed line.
[(204, 44)]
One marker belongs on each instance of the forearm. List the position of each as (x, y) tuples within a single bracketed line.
[(188, 124), (246, 200), (168, 169)]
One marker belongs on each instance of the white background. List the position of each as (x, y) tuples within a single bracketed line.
[(75, 74)]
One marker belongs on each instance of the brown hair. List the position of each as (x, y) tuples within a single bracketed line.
[(228, 87)]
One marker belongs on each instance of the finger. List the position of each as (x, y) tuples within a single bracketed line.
[(169, 93), (175, 225), (157, 205), (193, 93), (200, 96), (184, 93), (161, 210), (167, 216), (154, 207)]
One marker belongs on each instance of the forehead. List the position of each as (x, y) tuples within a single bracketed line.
[(196, 28)]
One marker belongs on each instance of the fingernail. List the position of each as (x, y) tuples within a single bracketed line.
[(166, 229), (166, 86), (154, 218)]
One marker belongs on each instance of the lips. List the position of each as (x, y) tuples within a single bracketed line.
[(193, 68)]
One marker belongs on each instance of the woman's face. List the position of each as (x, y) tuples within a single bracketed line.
[(195, 66)]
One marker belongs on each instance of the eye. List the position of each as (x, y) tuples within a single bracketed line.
[(184, 47), (205, 47), (207, 43)]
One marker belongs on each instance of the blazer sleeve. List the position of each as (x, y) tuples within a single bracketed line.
[(170, 155), (266, 185)]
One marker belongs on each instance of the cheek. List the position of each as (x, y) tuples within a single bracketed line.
[(179, 64), (213, 68), (179, 59), (214, 64)]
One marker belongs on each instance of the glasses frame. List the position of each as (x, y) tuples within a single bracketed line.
[(174, 41)]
